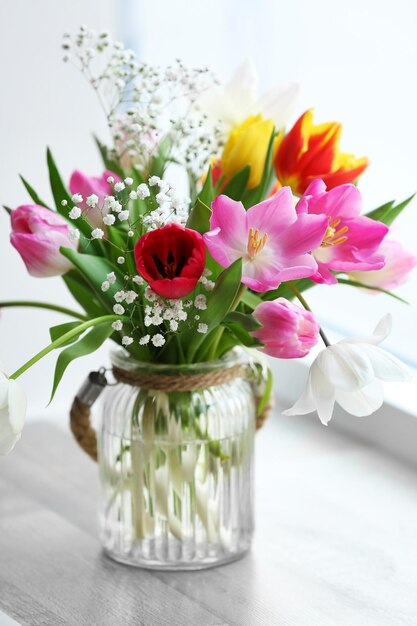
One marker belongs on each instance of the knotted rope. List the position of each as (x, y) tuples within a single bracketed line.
[(80, 412)]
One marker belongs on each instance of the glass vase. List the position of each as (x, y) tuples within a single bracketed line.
[(176, 463)]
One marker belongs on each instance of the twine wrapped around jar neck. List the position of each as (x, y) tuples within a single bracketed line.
[(80, 412)]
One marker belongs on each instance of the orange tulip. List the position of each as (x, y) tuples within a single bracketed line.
[(311, 151)]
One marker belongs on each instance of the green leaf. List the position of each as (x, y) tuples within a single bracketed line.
[(219, 304), (355, 283), (266, 394), (248, 322), (60, 192), (86, 345), (109, 163), (94, 269), (382, 210), (389, 212), (242, 335), (251, 299), (236, 186), (207, 193), (159, 162), (55, 332), (32, 193), (83, 294), (254, 196), (285, 291), (7, 209), (199, 218)]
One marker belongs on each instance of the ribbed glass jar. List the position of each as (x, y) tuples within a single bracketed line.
[(176, 467)]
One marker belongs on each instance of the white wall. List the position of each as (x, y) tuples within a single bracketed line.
[(43, 102)]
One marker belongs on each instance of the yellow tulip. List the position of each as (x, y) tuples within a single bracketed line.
[(247, 144)]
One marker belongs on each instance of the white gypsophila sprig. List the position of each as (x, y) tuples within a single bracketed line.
[(148, 108), (166, 206)]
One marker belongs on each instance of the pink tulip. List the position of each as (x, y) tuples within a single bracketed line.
[(288, 331), (37, 234), (352, 240), (89, 185), (398, 264), (272, 240)]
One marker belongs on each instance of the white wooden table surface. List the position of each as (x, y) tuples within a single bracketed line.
[(336, 541)]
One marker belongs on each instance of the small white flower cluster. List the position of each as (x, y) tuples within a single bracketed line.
[(171, 208), (162, 113)]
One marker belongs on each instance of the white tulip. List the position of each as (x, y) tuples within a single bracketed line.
[(12, 413), (237, 100), (350, 373)]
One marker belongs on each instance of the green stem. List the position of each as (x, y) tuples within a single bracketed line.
[(220, 329), (43, 305), (307, 308), (71, 334)]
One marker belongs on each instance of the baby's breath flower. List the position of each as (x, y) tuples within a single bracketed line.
[(64, 202), (120, 260), (111, 277), (143, 191), (75, 213), (126, 341), (123, 216), (130, 233), (144, 340), (119, 296), (110, 180), (150, 295), (97, 233), (158, 340), (130, 296), (200, 302), (92, 200), (138, 280), (119, 186), (109, 219), (202, 328), (77, 198), (133, 195), (173, 325), (118, 309), (105, 285), (129, 181), (154, 180), (74, 234), (117, 325)]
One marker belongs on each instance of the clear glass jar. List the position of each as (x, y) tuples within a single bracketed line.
[(176, 467)]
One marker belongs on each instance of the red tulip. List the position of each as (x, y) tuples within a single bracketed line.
[(171, 259)]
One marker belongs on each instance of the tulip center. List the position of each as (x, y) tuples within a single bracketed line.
[(256, 242), (172, 268), (332, 236)]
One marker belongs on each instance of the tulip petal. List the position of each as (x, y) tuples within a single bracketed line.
[(386, 366), (363, 401), (273, 214), (380, 333), (279, 103), (303, 235), (345, 366), (323, 394), (305, 403)]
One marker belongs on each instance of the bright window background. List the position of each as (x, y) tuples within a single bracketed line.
[(355, 62)]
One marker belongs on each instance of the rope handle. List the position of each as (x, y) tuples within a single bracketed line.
[(80, 412)]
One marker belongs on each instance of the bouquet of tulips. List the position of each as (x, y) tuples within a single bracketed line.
[(182, 273)]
